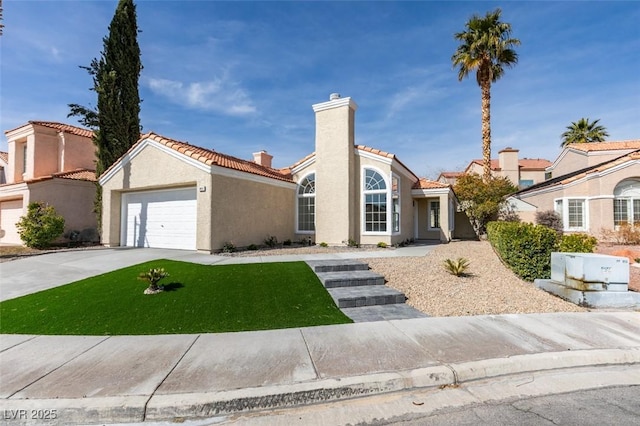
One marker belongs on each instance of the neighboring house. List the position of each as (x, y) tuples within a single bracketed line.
[(195, 198), (4, 163), (595, 187), (521, 172), (52, 163)]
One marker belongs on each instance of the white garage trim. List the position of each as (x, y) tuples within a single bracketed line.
[(10, 213), (160, 219)]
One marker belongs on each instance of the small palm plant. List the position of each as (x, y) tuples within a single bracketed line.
[(457, 267), (153, 276)]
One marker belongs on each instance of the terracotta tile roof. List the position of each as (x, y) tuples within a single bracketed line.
[(523, 163), (78, 174), (451, 174), (66, 128), (384, 154), (4, 156), (297, 163), (582, 173), (424, 183), (375, 151), (210, 158), (605, 146)]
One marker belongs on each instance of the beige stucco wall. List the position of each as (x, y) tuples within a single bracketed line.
[(569, 162), (245, 212), (423, 231), (73, 199), (231, 206), (335, 168), (536, 175), (597, 191), (152, 169), (76, 152)]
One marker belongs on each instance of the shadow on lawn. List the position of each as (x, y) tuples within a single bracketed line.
[(172, 286)]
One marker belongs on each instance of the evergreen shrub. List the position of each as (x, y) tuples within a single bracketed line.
[(524, 247)]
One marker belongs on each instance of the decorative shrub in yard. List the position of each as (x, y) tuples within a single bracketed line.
[(40, 226), (550, 219), (457, 267), (524, 247), (153, 276), (382, 244), (577, 243)]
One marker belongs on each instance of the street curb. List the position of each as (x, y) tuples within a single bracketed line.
[(168, 407)]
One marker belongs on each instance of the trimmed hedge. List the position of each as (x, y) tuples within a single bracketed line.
[(524, 247)]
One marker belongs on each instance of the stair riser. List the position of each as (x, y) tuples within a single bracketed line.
[(352, 282), (341, 268), (354, 302)]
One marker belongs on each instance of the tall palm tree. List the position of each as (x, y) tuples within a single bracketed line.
[(584, 132), (486, 47)]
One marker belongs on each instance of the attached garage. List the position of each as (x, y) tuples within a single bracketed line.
[(160, 219), (10, 213)]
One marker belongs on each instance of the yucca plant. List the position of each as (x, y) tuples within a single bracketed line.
[(457, 267), (153, 276)]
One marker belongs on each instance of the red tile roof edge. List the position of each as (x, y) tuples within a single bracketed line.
[(211, 157)]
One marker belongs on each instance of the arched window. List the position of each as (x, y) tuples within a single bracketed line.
[(375, 202), (626, 203), (307, 204)]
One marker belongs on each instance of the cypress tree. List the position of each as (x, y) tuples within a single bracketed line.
[(115, 121)]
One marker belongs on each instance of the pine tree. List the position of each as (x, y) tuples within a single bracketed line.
[(115, 121)]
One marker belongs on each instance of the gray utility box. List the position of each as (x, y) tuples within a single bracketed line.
[(590, 272)]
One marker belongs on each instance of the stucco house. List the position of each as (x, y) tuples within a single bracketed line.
[(170, 194), (52, 163), (522, 172), (595, 187)]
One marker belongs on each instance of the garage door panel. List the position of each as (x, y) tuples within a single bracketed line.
[(161, 219), (10, 214)]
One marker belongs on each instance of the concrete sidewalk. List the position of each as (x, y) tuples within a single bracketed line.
[(99, 379), (111, 379)]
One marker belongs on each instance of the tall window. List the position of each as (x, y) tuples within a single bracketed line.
[(576, 213), (434, 214), (626, 204), (375, 202), (24, 158), (307, 204), (395, 196)]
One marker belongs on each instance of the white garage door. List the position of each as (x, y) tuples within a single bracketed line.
[(160, 219), (10, 213)]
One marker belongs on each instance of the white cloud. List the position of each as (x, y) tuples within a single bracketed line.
[(219, 95)]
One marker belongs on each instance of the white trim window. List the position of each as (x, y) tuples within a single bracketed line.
[(433, 218), (626, 203), (395, 197), (375, 202), (574, 213), (306, 204)]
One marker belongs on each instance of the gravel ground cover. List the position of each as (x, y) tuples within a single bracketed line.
[(490, 289)]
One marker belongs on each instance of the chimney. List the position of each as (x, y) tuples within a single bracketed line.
[(262, 158), (509, 165), (335, 170)]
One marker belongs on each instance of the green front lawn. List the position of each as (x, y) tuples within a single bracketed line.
[(198, 299)]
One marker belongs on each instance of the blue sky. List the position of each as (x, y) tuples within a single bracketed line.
[(239, 77)]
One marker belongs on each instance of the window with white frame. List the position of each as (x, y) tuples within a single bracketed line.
[(307, 204), (626, 203), (395, 196), (575, 213), (434, 214), (375, 202)]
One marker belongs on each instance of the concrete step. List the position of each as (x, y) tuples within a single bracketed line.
[(337, 265), (350, 279), (367, 295), (383, 313)]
